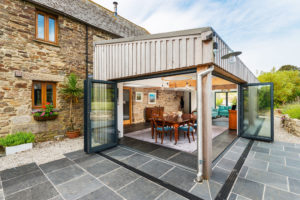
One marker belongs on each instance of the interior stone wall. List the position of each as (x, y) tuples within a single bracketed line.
[(168, 99)]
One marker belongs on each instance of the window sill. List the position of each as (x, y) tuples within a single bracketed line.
[(44, 42)]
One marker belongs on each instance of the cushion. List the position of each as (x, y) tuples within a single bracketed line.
[(166, 128), (185, 128)]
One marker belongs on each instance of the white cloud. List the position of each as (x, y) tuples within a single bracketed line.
[(267, 31)]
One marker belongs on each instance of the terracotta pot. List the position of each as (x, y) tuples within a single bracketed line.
[(73, 134)]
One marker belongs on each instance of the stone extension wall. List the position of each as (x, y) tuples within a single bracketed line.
[(38, 61), (168, 99), (291, 125)]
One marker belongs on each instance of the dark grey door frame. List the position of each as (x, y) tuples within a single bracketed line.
[(241, 111), (87, 122)]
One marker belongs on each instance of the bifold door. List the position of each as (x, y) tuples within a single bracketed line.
[(256, 111), (100, 115)]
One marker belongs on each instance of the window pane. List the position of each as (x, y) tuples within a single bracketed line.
[(220, 99), (232, 98), (50, 94), (51, 30), (41, 27), (37, 94)]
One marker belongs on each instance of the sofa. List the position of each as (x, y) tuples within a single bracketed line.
[(214, 112), (223, 111)]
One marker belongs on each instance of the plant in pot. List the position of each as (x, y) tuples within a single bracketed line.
[(17, 142), (46, 113), (72, 91)]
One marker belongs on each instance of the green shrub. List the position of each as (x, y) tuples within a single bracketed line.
[(17, 139), (292, 110)]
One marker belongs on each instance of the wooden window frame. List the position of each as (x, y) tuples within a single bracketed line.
[(46, 27), (44, 93)]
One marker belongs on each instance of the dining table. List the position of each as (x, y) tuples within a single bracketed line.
[(175, 122)]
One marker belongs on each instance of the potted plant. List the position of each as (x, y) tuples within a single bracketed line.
[(46, 113), (72, 91), (17, 142)]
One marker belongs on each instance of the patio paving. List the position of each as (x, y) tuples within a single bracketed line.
[(264, 175)]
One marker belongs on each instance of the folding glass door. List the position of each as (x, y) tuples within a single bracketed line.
[(100, 115), (256, 111)]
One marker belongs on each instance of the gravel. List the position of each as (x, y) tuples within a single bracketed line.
[(42, 153)]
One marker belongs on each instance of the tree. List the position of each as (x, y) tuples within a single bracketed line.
[(72, 91), (288, 68), (286, 85)]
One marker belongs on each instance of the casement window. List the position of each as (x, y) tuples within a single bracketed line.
[(46, 28), (43, 92)]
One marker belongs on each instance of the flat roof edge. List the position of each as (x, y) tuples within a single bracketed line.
[(156, 36)]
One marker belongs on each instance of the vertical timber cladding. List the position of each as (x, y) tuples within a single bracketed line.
[(123, 58)]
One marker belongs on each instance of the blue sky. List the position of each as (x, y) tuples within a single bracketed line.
[(266, 31)]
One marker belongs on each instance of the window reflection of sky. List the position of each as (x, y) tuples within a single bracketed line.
[(41, 26), (51, 30)]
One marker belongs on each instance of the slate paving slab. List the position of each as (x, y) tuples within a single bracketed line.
[(18, 171), (293, 162), (136, 160), (294, 185), (164, 153), (231, 155), (249, 189), (181, 178), (65, 174), (119, 178), (202, 190), (214, 188), (76, 154), (226, 164), (43, 191), (101, 168), (21, 182), (219, 175), (285, 171), (88, 160), (79, 187), (55, 165), (273, 193), (102, 193), (260, 149), (121, 154), (185, 159), (284, 153), (169, 195), (269, 158), (267, 178), (141, 188), (155, 168), (256, 163)]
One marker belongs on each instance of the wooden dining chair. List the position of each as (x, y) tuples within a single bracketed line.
[(153, 116), (161, 128), (188, 128)]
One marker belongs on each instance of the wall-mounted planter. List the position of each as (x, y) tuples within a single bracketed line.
[(18, 148), (39, 118)]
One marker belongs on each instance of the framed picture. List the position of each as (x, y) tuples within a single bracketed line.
[(151, 98), (139, 96)]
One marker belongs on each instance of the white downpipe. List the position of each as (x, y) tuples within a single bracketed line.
[(199, 122)]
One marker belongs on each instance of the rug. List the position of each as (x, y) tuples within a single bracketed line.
[(182, 144)]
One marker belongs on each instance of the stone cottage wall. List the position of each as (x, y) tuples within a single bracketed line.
[(19, 51), (168, 99)]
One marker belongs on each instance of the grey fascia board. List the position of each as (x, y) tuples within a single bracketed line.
[(156, 36)]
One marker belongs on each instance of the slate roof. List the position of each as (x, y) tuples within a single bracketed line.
[(95, 15)]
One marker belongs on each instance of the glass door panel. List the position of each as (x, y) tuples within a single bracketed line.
[(101, 116), (257, 111), (127, 105)]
